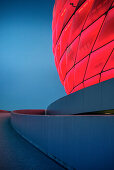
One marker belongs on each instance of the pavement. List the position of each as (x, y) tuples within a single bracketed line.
[(18, 154)]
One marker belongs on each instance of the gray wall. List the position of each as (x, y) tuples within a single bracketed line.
[(94, 98), (81, 142)]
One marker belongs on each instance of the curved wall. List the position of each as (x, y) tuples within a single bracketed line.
[(77, 142), (82, 33), (97, 97)]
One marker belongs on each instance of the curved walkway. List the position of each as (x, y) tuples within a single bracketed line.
[(17, 154)]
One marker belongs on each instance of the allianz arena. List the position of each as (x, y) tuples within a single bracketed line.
[(83, 33), (77, 130)]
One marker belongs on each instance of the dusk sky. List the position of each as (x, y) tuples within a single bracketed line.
[(28, 76)]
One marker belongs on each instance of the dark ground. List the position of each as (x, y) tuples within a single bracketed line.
[(18, 154)]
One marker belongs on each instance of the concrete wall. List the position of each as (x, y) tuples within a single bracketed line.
[(94, 98), (79, 142)]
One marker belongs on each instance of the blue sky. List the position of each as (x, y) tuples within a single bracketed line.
[(28, 76)]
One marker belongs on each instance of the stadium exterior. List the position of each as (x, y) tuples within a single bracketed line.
[(77, 130), (83, 35)]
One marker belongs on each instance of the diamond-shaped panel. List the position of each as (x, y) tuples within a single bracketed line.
[(82, 34)]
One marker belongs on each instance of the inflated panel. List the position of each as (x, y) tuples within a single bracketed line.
[(57, 52), (88, 38), (64, 38), (63, 18), (113, 4), (79, 87), (69, 81), (91, 81), (71, 54), (82, 34), (110, 62), (107, 75), (97, 60), (107, 31), (80, 71), (62, 67), (79, 19), (98, 9)]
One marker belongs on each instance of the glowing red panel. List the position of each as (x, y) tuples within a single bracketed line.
[(77, 3), (88, 38), (54, 18), (60, 25), (53, 49), (53, 25), (54, 37), (63, 18), (60, 75), (83, 42), (99, 8), (57, 52), (113, 4), (59, 5), (80, 71), (79, 19), (68, 12), (107, 75), (107, 32), (74, 2), (92, 81), (64, 38), (69, 81), (71, 54), (98, 60), (110, 62), (62, 67), (80, 3), (79, 87), (53, 12), (56, 62)]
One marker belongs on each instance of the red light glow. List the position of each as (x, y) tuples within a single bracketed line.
[(83, 34)]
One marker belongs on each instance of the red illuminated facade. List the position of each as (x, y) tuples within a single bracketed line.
[(83, 33)]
